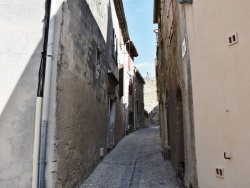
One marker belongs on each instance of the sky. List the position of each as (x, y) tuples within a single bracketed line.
[(139, 16)]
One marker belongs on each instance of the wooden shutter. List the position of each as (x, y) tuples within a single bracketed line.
[(114, 46), (121, 82), (130, 88)]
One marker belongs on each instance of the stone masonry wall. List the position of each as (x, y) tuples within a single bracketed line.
[(150, 100), (174, 90), (82, 92), (139, 100)]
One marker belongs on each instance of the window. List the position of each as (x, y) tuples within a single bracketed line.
[(121, 82), (115, 42), (98, 56), (137, 107)]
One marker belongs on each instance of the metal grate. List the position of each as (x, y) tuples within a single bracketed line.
[(219, 172)]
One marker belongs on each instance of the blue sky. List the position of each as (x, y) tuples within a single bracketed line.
[(139, 15)]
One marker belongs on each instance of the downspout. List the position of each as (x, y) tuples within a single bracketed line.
[(39, 99), (45, 110), (134, 92)]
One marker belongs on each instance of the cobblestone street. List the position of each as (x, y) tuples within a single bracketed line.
[(135, 162)]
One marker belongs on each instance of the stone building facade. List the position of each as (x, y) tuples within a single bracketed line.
[(202, 74), (151, 102), (138, 99), (85, 110), (135, 108), (87, 85), (174, 91)]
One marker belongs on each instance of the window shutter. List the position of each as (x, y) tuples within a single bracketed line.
[(114, 46), (121, 82), (130, 88), (116, 50)]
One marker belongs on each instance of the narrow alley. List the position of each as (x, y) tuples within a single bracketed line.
[(136, 161)]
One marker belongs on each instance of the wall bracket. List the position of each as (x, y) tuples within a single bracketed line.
[(225, 156)]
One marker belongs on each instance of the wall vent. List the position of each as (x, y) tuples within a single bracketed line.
[(233, 39), (219, 172)]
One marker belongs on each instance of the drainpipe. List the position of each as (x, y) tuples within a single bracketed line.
[(39, 99), (134, 93), (45, 110)]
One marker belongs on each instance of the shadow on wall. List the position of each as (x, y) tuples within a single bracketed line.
[(18, 117), (154, 117), (17, 127)]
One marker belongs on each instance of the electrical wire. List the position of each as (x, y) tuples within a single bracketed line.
[(42, 68)]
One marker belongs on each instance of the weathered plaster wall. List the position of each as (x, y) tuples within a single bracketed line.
[(20, 54), (82, 92), (78, 95)]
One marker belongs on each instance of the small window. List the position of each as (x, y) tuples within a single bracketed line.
[(137, 107), (98, 56), (115, 44)]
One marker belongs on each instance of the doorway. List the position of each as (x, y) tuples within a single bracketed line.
[(111, 126), (179, 114)]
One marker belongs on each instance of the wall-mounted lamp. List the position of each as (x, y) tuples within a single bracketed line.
[(186, 1)]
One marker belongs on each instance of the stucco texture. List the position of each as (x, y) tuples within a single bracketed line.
[(20, 55), (82, 93)]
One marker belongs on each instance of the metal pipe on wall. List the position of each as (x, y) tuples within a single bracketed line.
[(39, 100), (45, 111)]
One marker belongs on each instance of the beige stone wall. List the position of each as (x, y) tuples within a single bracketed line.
[(220, 78), (151, 102)]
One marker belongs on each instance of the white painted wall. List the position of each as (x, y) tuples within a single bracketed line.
[(99, 9), (20, 51), (220, 81)]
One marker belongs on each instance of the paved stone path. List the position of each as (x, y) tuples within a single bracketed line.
[(136, 162)]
